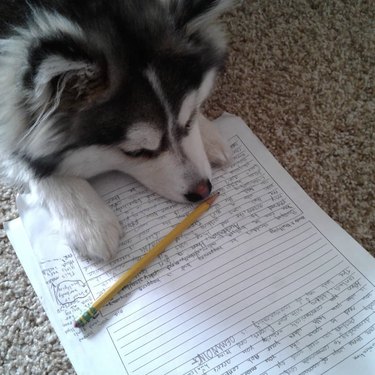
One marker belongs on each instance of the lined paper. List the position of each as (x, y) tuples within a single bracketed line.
[(264, 283)]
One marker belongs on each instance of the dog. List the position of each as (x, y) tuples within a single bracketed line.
[(92, 86)]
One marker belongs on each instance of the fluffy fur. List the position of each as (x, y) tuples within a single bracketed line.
[(92, 86)]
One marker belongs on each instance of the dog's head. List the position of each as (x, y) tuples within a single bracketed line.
[(127, 77)]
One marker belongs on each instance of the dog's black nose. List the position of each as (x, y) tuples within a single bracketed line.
[(201, 191)]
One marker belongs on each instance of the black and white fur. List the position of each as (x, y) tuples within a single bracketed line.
[(91, 86)]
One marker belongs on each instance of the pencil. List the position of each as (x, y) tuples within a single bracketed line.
[(144, 261)]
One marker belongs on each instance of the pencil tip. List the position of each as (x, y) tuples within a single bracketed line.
[(77, 324), (211, 199)]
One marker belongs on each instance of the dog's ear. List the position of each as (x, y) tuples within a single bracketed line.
[(193, 15), (64, 74)]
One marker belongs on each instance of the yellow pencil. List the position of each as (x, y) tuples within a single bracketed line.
[(145, 261)]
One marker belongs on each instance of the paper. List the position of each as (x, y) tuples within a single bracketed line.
[(264, 283)]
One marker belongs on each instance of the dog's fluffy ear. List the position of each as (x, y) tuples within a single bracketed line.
[(64, 75), (193, 15)]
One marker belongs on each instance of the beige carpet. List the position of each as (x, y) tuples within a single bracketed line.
[(302, 75)]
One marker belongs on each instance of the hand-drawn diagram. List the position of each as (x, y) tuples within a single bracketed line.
[(69, 291)]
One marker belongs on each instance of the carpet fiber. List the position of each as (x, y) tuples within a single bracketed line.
[(302, 75)]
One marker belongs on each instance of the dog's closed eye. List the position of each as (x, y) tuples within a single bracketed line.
[(189, 124), (141, 153)]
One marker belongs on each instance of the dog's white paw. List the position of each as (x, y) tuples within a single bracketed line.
[(95, 235), (217, 149), (86, 223), (219, 154)]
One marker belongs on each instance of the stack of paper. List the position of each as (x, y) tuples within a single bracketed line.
[(264, 283)]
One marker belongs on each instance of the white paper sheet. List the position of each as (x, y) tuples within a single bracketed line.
[(264, 283)]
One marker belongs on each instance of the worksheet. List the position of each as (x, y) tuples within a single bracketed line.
[(264, 283)]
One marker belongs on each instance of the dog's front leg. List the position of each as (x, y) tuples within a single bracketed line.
[(217, 149), (87, 224)]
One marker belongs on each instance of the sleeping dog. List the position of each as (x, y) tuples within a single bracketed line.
[(91, 86)]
